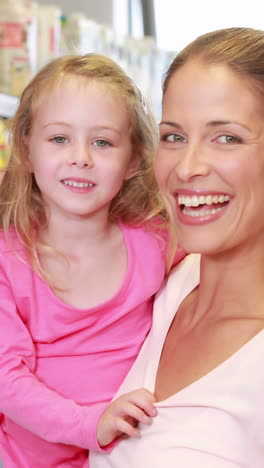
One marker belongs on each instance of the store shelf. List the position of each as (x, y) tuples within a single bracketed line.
[(8, 105)]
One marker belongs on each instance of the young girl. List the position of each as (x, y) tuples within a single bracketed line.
[(79, 260)]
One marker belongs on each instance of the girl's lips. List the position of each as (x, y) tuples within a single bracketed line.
[(78, 185)]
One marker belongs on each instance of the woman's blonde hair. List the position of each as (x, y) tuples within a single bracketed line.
[(21, 204), (240, 49)]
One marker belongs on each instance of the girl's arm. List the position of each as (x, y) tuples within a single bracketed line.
[(25, 399)]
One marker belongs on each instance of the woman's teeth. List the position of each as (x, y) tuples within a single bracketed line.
[(202, 200), (187, 202)]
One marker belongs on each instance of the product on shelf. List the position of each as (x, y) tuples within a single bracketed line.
[(18, 42), (82, 35), (49, 33)]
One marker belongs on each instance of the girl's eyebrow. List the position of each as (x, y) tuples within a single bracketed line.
[(56, 123), (97, 127)]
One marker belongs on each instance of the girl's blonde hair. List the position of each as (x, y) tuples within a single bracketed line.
[(21, 204)]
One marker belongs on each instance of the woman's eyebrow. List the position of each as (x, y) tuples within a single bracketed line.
[(171, 124), (212, 123)]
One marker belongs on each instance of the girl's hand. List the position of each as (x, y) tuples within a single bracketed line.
[(124, 413)]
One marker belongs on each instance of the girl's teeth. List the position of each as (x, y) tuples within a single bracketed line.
[(196, 200), (78, 184)]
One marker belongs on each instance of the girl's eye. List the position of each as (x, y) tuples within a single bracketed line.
[(174, 138), (228, 139), (59, 139), (101, 143)]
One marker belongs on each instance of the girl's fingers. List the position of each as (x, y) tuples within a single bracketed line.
[(132, 411), (143, 399), (125, 427)]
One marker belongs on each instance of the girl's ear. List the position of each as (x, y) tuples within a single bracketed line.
[(27, 153), (133, 166)]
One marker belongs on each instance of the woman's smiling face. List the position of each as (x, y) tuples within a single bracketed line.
[(210, 162)]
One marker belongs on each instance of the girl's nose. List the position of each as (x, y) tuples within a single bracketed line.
[(82, 158)]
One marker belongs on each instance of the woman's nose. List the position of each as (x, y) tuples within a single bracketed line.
[(192, 163)]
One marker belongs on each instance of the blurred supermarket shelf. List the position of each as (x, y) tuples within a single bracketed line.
[(32, 34), (8, 106), (39, 33)]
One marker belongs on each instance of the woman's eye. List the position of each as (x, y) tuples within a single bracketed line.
[(59, 139), (101, 143), (228, 139), (174, 137)]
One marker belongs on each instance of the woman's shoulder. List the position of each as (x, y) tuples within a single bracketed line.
[(188, 268), (184, 277)]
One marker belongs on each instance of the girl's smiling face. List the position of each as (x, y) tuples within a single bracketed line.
[(80, 148), (210, 162)]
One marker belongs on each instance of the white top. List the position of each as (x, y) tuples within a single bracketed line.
[(216, 422)]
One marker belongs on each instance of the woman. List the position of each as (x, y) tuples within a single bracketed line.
[(203, 359)]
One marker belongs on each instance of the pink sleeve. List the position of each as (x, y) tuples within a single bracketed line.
[(27, 401)]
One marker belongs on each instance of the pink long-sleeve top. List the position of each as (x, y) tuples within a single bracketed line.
[(60, 366)]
